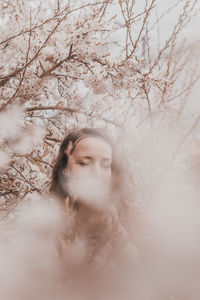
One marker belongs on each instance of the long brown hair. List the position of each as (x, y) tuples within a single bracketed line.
[(58, 188)]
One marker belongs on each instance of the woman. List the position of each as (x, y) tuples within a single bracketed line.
[(65, 161), (95, 248)]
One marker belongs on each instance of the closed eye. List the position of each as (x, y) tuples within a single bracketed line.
[(106, 167), (106, 164), (83, 163)]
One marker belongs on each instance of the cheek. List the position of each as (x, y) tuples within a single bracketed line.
[(77, 171), (107, 175), (72, 167)]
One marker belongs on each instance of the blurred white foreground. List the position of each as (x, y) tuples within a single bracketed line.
[(157, 258)]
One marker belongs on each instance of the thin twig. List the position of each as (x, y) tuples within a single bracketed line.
[(36, 189), (50, 70), (24, 71), (143, 26), (51, 19), (71, 110)]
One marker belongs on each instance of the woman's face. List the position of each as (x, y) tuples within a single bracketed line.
[(92, 156), (89, 168)]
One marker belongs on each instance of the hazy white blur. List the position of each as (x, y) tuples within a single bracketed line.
[(70, 67)]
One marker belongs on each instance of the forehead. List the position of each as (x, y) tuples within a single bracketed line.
[(93, 147)]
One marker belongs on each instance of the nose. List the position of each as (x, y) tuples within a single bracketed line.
[(96, 170)]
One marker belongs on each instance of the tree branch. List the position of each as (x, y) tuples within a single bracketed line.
[(69, 109)]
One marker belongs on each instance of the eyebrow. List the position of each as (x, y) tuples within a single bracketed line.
[(85, 156), (90, 157)]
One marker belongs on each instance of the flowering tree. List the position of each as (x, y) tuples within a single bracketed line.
[(72, 64)]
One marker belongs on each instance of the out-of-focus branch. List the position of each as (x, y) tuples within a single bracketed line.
[(158, 19), (2, 194), (182, 20), (71, 110), (148, 101), (52, 139), (45, 42), (142, 28), (84, 63), (24, 71), (34, 27), (34, 188), (51, 19), (103, 9), (48, 72)]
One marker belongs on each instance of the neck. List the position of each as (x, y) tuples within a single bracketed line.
[(89, 221)]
